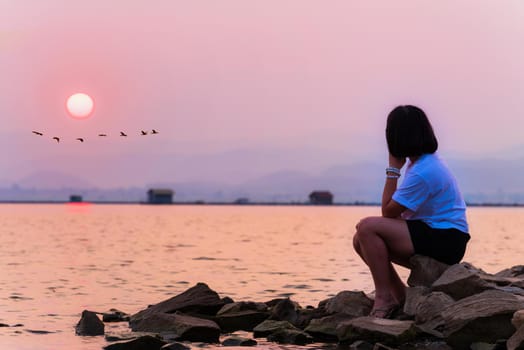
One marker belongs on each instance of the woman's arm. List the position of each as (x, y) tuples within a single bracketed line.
[(390, 208)]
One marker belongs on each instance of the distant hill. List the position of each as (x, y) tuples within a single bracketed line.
[(483, 180)]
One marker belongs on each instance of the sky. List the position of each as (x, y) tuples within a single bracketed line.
[(286, 84)]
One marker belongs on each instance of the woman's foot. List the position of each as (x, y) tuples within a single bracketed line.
[(388, 311)]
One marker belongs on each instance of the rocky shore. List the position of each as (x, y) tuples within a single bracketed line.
[(446, 307)]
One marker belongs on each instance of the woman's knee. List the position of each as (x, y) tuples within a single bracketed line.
[(367, 225)]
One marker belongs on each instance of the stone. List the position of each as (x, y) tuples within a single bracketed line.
[(372, 329), (485, 346), (185, 327), (414, 296), (241, 316), (285, 310), (89, 324), (290, 336), (425, 271), (270, 326), (516, 341), (461, 281), (361, 345), (426, 344), (239, 341), (485, 317), (518, 319), (428, 316), (115, 315), (514, 271), (325, 329), (146, 342), (175, 346), (306, 315), (379, 346), (354, 304), (199, 299)]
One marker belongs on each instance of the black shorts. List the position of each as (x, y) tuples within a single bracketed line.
[(445, 245)]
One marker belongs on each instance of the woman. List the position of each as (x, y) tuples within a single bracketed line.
[(425, 215)]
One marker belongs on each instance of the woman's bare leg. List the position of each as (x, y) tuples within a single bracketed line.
[(379, 241)]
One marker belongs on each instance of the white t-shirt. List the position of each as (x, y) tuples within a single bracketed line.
[(430, 193)]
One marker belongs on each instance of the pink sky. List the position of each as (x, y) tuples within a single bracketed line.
[(223, 75)]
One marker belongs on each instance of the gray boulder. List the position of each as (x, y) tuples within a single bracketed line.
[(285, 310), (414, 296), (146, 342), (485, 317), (516, 341), (461, 281), (354, 304), (199, 299), (241, 316), (175, 346), (290, 336), (325, 329), (89, 324), (372, 329), (271, 326), (425, 271), (185, 327), (239, 341), (430, 306), (115, 315)]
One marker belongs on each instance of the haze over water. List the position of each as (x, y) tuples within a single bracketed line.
[(58, 260)]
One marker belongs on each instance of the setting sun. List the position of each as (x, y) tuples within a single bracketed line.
[(80, 105)]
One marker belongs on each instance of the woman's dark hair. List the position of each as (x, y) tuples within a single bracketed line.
[(409, 132)]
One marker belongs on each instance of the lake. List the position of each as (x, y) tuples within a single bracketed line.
[(59, 259)]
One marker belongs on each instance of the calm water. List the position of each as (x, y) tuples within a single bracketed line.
[(58, 260)]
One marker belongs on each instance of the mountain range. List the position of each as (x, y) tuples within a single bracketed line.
[(232, 175)]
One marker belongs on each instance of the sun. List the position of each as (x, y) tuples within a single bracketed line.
[(80, 105)]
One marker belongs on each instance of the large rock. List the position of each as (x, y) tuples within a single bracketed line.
[(516, 341), (199, 299), (146, 342), (414, 296), (271, 326), (185, 327), (428, 316), (285, 310), (290, 336), (518, 319), (89, 324), (239, 341), (425, 271), (515, 271), (325, 328), (115, 315), (354, 304), (461, 281), (372, 329), (241, 316), (485, 317)]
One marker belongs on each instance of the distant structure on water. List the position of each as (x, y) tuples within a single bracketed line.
[(160, 196), (241, 200), (321, 197), (75, 198)]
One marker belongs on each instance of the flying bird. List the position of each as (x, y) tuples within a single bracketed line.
[(154, 131), (143, 132), (57, 139), (103, 135), (122, 134), (37, 133), (80, 139)]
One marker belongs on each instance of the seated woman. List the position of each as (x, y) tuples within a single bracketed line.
[(425, 215)]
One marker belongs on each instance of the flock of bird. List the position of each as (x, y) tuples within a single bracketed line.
[(81, 139)]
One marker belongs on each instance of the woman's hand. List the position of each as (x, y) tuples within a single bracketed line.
[(396, 162)]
